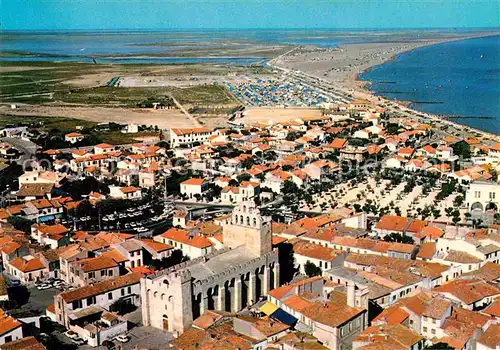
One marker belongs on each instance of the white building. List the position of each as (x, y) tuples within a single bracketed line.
[(246, 191), (129, 192), (193, 187), (187, 137), (483, 195), (73, 137), (10, 328), (79, 303), (190, 243)]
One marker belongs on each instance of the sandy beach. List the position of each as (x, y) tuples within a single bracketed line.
[(166, 118), (340, 67)]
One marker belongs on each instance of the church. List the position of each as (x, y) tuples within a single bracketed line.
[(229, 279)]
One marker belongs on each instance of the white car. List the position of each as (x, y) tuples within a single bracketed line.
[(71, 334), (122, 338), (43, 286), (78, 341)]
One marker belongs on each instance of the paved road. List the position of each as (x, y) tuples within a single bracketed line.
[(141, 337), (27, 147), (186, 113)]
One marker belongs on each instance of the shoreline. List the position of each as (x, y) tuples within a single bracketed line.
[(350, 84), (407, 105)]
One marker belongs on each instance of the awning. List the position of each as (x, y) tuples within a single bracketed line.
[(47, 218), (300, 327), (88, 311), (268, 308), (284, 317)]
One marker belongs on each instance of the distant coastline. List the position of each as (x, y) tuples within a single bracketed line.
[(364, 86), (351, 60)]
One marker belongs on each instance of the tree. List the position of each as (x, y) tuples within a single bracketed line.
[(247, 163), (392, 128), (458, 201), (20, 223), (79, 188), (462, 149), (398, 237), (287, 167), (293, 136), (289, 187), (447, 188), (174, 259), (436, 213), (440, 345), (122, 307), (244, 177), (287, 262), (312, 270), (233, 183), (270, 156)]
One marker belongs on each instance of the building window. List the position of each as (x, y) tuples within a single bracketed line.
[(91, 274), (433, 331), (123, 291), (8, 339), (129, 290), (90, 301), (77, 304), (110, 273), (103, 272), (425, 329), (110, 296)]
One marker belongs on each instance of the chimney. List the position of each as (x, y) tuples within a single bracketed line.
[(350, 294)]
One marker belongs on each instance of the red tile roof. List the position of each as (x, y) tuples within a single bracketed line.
[(193, 181), (315, 251), (7, 323), (392, 223), (491, 337), (182, 236), (33, 264), (101, 288), (468, 290), (97, 263)]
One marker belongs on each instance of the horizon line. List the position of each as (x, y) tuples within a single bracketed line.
[(249, 29)]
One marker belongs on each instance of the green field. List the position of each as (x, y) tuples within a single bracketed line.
[(62, 124), (47, 82)]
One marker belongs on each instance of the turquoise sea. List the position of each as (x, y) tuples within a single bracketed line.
[(459, 78)]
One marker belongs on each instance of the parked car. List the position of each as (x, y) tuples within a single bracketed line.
[(58, 284), (15, 282), (78, 341), (71, 335), (43, 286), (122, 338)]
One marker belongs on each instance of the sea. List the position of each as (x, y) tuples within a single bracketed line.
[(460, 78)]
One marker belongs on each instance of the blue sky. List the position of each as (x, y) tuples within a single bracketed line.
[(181, 14)]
